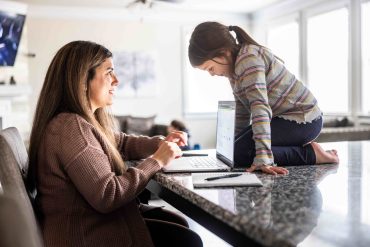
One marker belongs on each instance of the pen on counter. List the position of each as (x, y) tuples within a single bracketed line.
[(224, 176), (193, 154)]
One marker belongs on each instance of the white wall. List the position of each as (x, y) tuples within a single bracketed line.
[(49, 28), (14, 101)]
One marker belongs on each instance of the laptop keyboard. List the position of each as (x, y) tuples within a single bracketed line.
[(204, 162)]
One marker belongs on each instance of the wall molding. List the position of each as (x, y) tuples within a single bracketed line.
[(152, 15), (16, 7)]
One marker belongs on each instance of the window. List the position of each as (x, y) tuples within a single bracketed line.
[(366, 57), (283, 40), (327, 59), (202, 91), (365, 184)]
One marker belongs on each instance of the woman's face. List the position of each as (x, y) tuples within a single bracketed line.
[(103, 85), (220, 66)]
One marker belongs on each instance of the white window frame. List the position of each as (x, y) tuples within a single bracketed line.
[(322, 9), (185, 86), (185, 80), (362, 117), (280, 21)]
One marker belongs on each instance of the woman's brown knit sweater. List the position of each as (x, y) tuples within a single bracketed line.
[(82, 201)]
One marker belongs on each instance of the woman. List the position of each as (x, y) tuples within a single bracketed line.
[(277, 117), (86, 194)]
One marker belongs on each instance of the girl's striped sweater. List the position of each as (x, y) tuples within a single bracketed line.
[(263, 88)]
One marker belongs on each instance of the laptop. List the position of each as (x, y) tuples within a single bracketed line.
[(223, 158)]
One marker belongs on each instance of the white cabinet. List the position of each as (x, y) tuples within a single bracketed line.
[(15, 108), (11, 91)]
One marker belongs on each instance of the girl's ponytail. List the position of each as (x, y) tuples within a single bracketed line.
[(242, 37)]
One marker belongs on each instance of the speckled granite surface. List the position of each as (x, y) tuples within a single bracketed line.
[(326, 205)]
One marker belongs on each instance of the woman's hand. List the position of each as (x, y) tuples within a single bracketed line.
[(274, 170), (178, 137), (166, 152)]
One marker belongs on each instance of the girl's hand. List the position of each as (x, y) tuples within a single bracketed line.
[(178, 137), (166, 152), (274, 170)]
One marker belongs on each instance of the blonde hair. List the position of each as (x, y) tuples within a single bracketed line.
[(66, 88)]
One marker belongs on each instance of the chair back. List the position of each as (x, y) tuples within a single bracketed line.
[(17, 226), (13, 138), (13, 171), (13, 162)]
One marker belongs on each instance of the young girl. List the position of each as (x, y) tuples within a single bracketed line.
[(85, 192), (277, 117)]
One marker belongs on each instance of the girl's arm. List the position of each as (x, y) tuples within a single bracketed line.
[(242, 115), (252, 86)]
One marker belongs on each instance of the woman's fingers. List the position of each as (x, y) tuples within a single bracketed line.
[(166, 152), (178, 137)]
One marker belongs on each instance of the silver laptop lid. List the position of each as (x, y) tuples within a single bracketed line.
[(225, 132)]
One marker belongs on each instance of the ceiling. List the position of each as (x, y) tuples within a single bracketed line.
[(237, 6)]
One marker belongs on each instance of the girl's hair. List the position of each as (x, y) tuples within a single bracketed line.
[(213, 39), (66, 88)]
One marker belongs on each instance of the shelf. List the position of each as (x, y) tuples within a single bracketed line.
[(9, 91)]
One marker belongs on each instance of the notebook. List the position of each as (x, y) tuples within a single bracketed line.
[(246, 179), (222, 160)]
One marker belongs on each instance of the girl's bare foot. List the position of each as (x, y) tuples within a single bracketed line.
[(324, 157)]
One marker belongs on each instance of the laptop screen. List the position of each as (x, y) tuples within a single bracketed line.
[(225, 131)]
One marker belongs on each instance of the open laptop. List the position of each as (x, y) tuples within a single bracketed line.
[(223, 159)]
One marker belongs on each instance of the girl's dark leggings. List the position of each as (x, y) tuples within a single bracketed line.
[(288, 139)]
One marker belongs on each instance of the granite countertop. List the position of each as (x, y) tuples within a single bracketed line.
[(322, 205)]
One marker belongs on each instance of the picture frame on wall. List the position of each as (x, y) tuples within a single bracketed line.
[(137, 73)]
